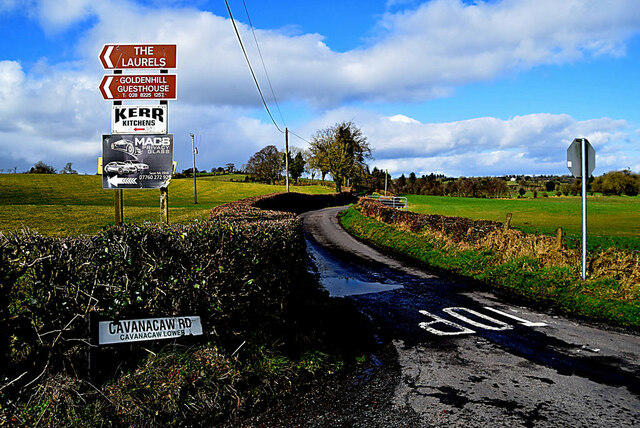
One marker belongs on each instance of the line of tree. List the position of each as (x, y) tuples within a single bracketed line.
[(617, 183), (340, 151), (42, 168), (437, 185)]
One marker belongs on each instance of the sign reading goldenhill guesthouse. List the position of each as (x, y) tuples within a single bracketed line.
[(122, 331)]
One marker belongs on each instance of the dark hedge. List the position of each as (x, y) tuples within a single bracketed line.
[(244, 272)]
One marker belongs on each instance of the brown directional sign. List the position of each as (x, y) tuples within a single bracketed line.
[(138, 56), (139, 87)]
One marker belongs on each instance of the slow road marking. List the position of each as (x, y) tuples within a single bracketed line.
[(450, 328)]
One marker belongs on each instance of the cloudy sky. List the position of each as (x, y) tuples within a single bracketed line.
[(457, 87)]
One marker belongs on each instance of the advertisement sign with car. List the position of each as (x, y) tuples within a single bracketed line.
[(137, 161)]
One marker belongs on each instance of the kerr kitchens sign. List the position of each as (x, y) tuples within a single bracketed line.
[(139, 87), (123, 331), (139, 119), (125, 56)]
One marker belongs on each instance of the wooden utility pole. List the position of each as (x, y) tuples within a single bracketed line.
[(193, 154), (286, 157)]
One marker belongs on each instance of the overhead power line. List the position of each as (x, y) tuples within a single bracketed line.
[(306, 141), (246, 57), (264, 67)]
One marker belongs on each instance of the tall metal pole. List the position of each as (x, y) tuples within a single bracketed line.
[(386, 173), (585, 175), (193, 153), (286, 157)]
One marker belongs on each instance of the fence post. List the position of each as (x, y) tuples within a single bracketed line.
[(559, 242), (164, 205), (507, 222)]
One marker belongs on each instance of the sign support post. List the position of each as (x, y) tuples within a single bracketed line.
[(164, 191), (119, 207), (585, 176), (119, 197), (581, 161), (164, 205)]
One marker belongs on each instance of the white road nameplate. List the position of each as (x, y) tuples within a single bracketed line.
[(123, 331)]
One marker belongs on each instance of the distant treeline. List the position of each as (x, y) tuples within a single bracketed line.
[(609, 184)]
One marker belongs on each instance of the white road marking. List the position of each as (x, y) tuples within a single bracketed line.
[(502, 325), (438, 320), (520, 320)]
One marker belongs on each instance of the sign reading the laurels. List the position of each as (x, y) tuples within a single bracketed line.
[(124, 56)]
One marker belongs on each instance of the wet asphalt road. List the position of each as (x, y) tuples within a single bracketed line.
[(468, 359)]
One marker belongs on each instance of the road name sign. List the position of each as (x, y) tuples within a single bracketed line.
[(125, 56), (139, 87), (149, 119), (137, 330), (137, 161)]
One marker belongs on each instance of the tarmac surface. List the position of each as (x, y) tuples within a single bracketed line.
[(455, 355)]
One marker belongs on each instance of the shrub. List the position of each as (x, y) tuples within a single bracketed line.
[(244, 272)]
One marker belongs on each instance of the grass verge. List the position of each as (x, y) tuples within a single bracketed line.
[(522, 277)]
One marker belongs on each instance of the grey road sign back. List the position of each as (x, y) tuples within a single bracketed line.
[(574, 157), (137, 161)]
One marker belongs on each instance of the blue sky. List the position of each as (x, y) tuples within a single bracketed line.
[(464, 88)]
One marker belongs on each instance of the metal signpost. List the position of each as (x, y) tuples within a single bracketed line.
[(138, 154), (581, 161)]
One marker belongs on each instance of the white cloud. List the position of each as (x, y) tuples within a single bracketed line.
[(421, 54), (487, 145), (57, 15)]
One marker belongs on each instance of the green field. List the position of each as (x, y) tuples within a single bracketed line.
[(611, 220), (77, 204)]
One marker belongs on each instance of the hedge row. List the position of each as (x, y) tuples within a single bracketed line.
[(458, 228), (244, 272), (534, 268)]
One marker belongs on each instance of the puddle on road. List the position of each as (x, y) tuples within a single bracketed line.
[(340, 281), (340, 287)]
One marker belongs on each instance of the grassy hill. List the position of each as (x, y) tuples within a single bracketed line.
[(73, 204)]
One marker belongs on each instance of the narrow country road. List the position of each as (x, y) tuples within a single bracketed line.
[(465, 358)]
